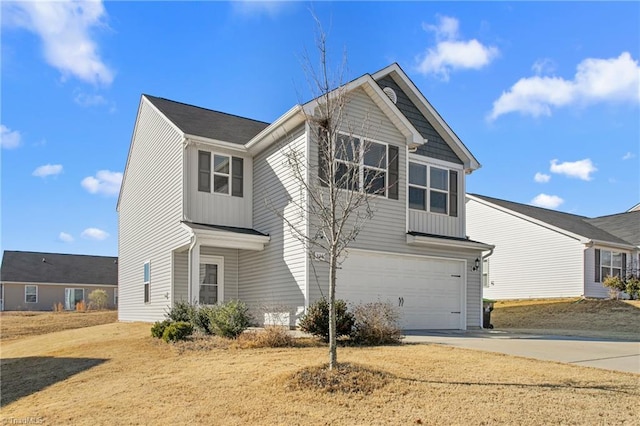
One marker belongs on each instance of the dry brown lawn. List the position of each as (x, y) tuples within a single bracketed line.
[(115, 374), (579, 317), (21, 324)]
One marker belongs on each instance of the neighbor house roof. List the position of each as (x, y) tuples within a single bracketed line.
[(575, 224), (37, 267), (196, 121), (622, 225)]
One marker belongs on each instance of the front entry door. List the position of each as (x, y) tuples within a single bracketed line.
[(208, 292)]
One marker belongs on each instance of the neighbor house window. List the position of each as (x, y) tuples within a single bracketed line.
[(30, 294), (227, 174), (485, 273), (609, 264), (72, 296), (433, 189), (147, 280), (361, 166)]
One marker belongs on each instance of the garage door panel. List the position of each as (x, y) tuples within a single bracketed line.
[(431, 289)]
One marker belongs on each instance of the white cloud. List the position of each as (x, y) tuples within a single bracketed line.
[(581, 169), (64, 28), (67, 238), (88, 100), (48, 170), (105, 182), (547, 201), (628, 156), (541, 178), (543, 66), (9, 139), (451, 53), (94, 234), (596, 80)]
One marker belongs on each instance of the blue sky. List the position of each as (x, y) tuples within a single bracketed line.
[(546, 95)]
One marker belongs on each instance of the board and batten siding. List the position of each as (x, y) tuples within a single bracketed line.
[(273, 281), (211, 207), (530, 261), (150, 211)]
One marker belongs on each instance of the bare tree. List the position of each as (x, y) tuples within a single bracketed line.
[(337, 186)]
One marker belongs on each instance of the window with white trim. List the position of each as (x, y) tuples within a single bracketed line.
[(30, 294), (361, 166), (226, 172), (485, 273), (146, 280), (609, 264), (433, 189)]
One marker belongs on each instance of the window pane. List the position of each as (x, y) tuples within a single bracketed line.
[(220, 164), (146, 293), (616, 272), (605, 258), (439, 179), (221, 184), (374, 181), (606, 272), (417, 198), (146, 272), (347, 148), (375, 155), (417, 174), (347, 176), (208, 292), (617, 260), (438, 202)]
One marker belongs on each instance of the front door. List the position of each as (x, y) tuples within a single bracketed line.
[(71, 297), (208, 292)]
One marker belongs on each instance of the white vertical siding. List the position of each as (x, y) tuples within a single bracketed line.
[(273, 280), (150, 211), (213, 208), (529, 261)]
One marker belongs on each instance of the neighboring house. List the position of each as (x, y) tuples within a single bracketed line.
[(33, 281), (197, 220), (544, 253)]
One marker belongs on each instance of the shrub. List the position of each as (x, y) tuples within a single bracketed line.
[(98, 299), (200, 319), (376, 323), (270, 337), (58, 307), (81, 306), (632, 287), (316, 320), (182, 312), (157, 330), (229, 319), (177, 331)]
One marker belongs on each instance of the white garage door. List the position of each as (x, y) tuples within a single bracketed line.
[(428, 291)]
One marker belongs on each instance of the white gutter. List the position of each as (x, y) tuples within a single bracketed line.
[(189, 279)]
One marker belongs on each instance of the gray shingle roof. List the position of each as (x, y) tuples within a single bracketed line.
[(233, 229), (569, 222), (24, 266), (622, 225), (207, 123)]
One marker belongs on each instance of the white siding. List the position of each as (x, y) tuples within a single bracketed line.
[(150, 211), (529, 261), (180, 277), (274, 280), (230, 269), (213, 208)]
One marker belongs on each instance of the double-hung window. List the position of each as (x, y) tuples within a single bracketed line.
[(225, 171), (30, 294), (361, 166), (146, 280), (609, 264), (433, 189)]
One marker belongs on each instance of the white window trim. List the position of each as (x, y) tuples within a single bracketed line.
[(145, 283), (439, 165), (227, 175), (610, 265), (212, 260), (362, 166), (25, 293), (72, 308)]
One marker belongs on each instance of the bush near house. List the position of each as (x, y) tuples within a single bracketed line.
[(177, 331), (98, 299), (629, 285), (376, 323), (316, 320)]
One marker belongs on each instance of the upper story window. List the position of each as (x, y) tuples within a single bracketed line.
[(226, 172), (433, 189)]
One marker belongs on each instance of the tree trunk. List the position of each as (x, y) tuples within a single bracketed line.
[(333, 347)]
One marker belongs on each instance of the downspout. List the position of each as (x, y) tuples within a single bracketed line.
[(484, 256), (189, 280)]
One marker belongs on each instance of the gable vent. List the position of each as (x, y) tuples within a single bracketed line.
[(391, 94)]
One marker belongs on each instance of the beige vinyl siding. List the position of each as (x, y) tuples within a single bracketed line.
[(48, 295), (273, 280), (211, 207), (529, 261), (150, 212)]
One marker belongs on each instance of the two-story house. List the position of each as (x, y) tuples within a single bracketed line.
[(198, 222)]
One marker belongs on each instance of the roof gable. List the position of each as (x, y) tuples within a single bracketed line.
[(206, 123), (623, 225), (37, 267), (578, 225)]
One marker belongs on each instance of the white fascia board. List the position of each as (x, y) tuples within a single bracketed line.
[(214, 143), (582, 239), (223, 239), (59, 284), (445, 243), (276, 130), (607, 244), (430, 113)]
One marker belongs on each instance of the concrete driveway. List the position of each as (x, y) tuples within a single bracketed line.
[(590, 352)]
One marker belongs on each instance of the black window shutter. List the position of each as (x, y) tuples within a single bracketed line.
[(237, 181), (624, 265), (453, 193), (597, 271), (323, 153), (204, 171), (393, 172)]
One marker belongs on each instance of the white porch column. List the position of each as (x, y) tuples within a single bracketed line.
[(195, 273)]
